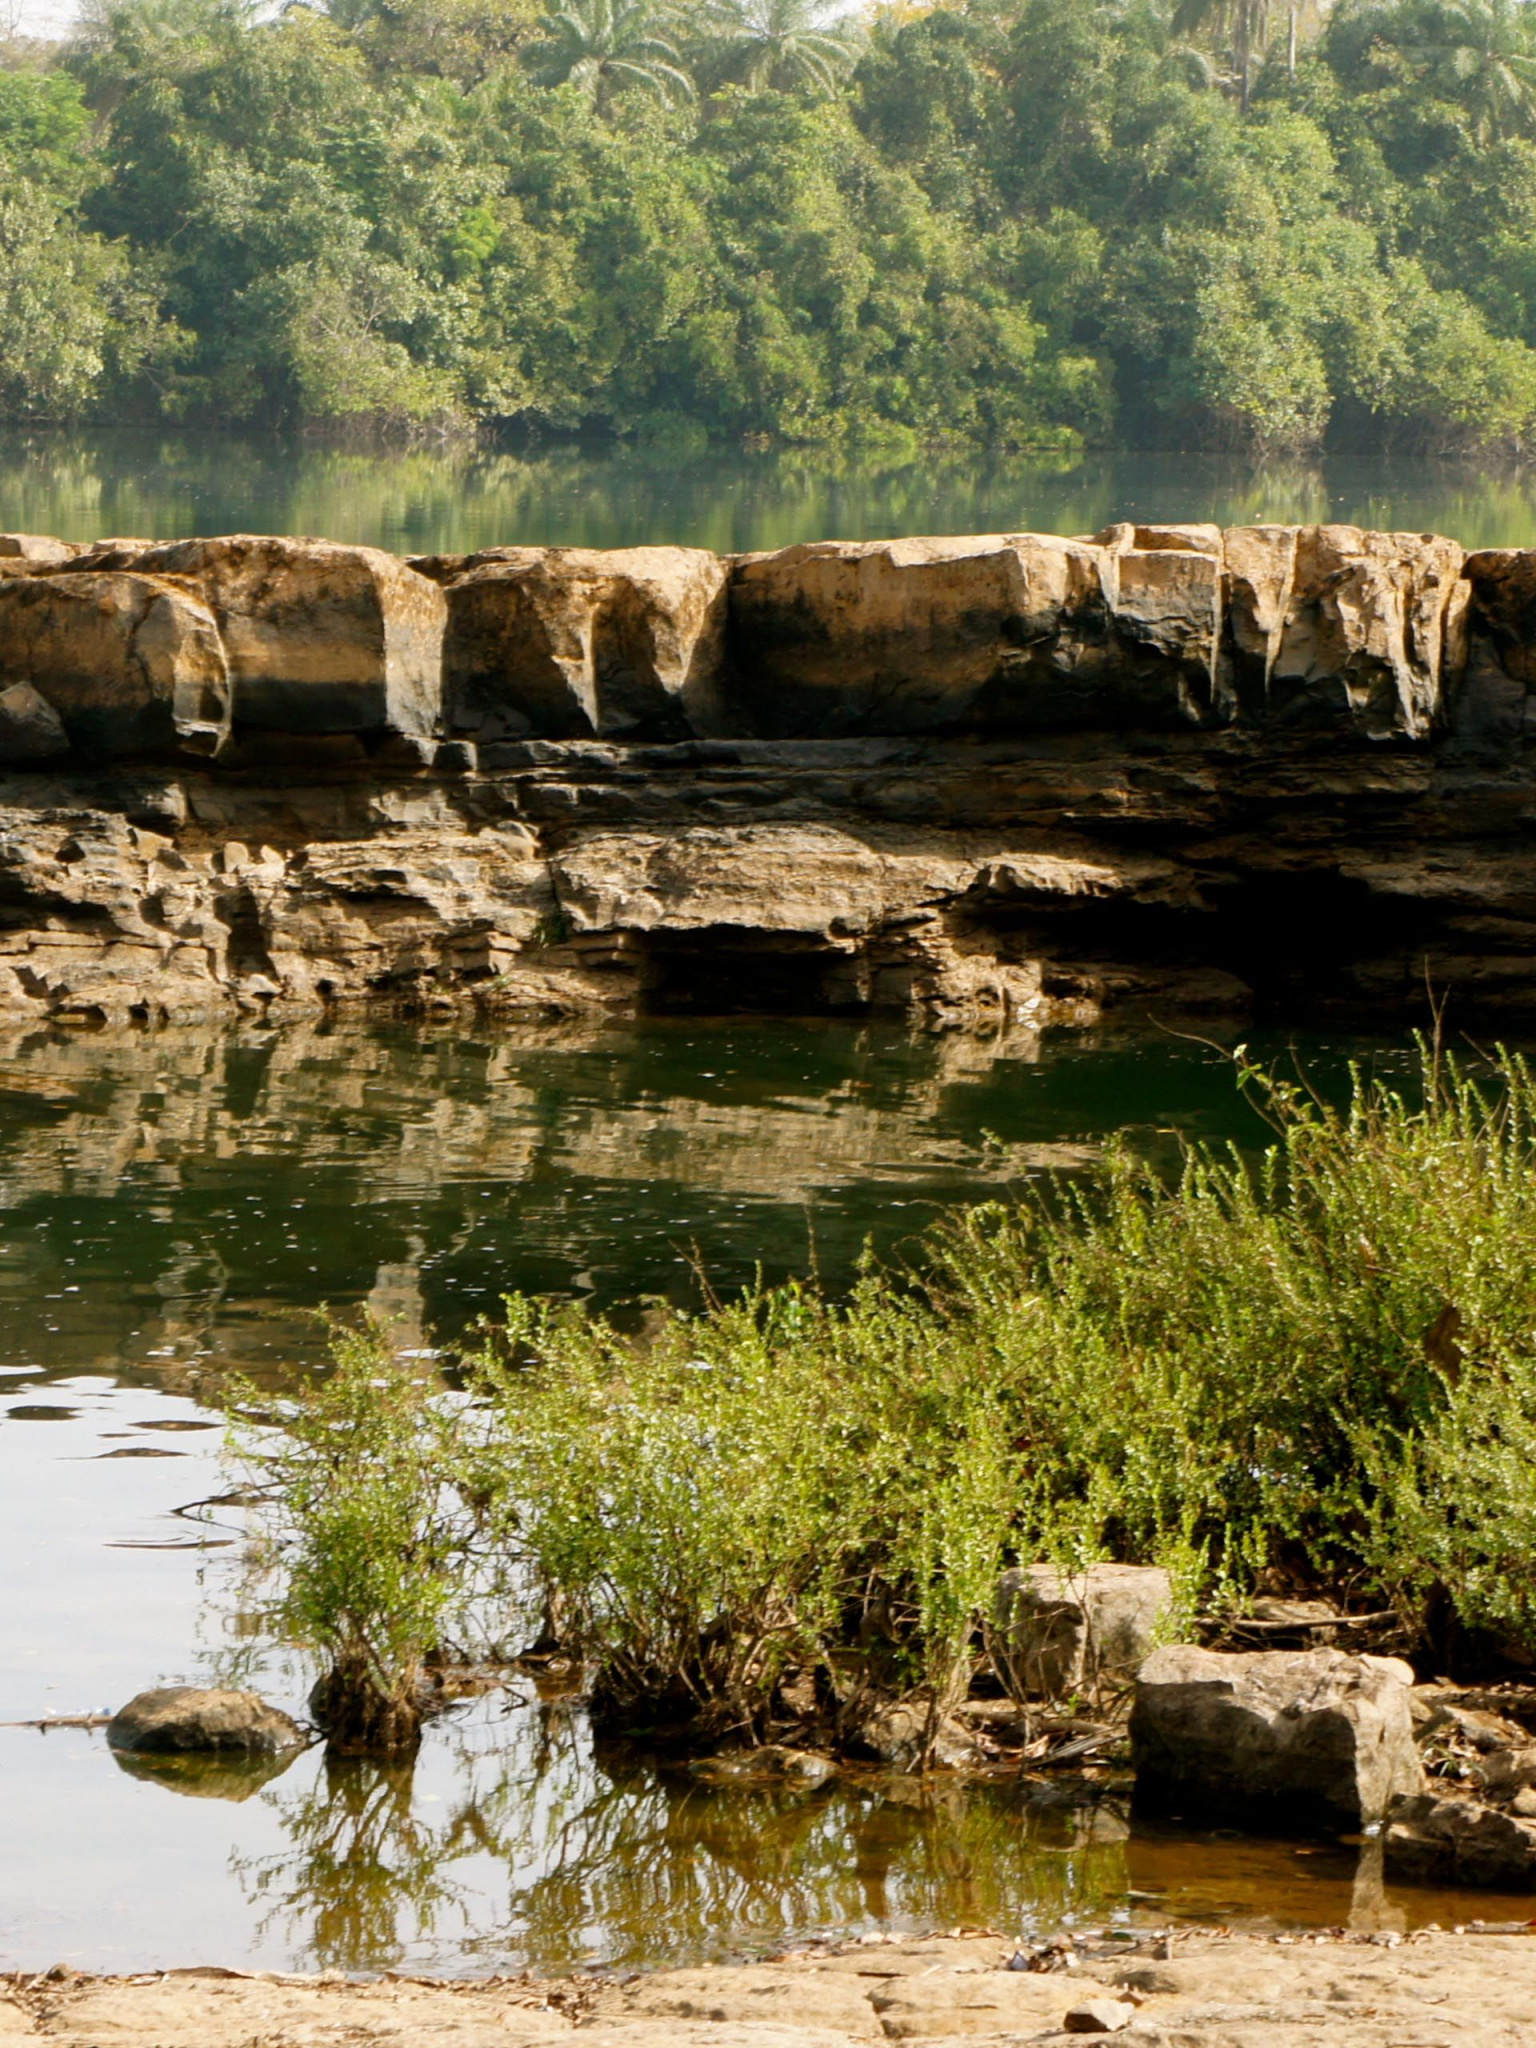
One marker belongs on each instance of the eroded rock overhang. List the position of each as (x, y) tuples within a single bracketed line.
[(1162, 768)]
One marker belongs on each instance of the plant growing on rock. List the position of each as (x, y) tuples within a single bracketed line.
[(368, 1533)]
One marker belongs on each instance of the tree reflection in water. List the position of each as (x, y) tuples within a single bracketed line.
[(541, 1851)]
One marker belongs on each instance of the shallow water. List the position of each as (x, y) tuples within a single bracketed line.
[(180, 1202), (158, 484)]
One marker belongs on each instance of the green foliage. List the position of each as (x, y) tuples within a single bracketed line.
[(603, 46), (1023, 223), (714, 1505), (365, 1529), (1316, 1365), (781, 44)]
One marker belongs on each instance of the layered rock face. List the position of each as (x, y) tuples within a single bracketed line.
[(1162, 767)]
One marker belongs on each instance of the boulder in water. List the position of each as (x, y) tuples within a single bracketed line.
[(177, 1719)]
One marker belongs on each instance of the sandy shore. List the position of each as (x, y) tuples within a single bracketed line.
[(1185, 1990)]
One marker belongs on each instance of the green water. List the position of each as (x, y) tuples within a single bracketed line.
[(179, 1202), (155, 485)]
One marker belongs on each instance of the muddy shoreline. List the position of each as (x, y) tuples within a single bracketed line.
[(1163, 1987)]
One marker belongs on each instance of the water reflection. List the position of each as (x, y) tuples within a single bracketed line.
[(180, 1200), (604, 1859), (158, 484), (175, 1201)]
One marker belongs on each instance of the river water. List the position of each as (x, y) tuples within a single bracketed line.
[(177, 1204), (157, 485)]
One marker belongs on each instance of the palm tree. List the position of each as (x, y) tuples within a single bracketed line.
[(1247, 22), (606, 45), (783, 43), (1481, 56)]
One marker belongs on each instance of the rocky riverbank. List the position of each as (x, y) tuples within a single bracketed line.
[(1166, 1988), (1174, 768)]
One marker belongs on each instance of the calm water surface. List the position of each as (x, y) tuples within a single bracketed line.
[(176, 1203), (157, 485)]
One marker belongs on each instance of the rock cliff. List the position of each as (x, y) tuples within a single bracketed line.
[(1011, 775)]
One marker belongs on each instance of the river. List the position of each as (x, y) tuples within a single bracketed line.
[(178, 1204), (159, 484)]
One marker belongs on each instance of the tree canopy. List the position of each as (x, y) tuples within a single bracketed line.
[(1015, 222)]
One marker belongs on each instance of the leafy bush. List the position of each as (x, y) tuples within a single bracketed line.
[(366, 1531), (1314, 1367)]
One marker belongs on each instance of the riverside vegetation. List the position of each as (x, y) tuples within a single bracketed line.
[(1028, 223), (1306, 1369)]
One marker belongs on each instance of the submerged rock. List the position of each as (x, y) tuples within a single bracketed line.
[(182, 1718), (1303, 1738), (1065, 1631), (774, 1762), (232, 1775)]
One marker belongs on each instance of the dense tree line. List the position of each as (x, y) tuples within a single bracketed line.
[(1020, 222)]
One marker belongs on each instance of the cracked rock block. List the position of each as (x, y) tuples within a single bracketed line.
[(1459, 1841), (31, 731), (1298, 1738), (568, 643), (992, 633), (320, 638), (131, 665), (1067, 1630), (22, 554), (1258, 576), (1166, 595), (1375, 632), (1494, 703)]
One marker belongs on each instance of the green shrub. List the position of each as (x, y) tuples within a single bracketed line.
[(1315, 1365), (366, 1531)]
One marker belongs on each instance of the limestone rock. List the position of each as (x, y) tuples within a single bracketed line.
[(897, 1735), (1504, 1772), (179, 1718), (566, 642), (1066, 1631), (1166, 598), (1375, 632), (319, 638), (1099, 2016), (132, 665), (963, 2003), (1258, 575), (1495, 701), (757, 1993), (1437, 1840), (1196, 538), (987, 633), (30, 729), (23, 554), (1307, 1737)]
